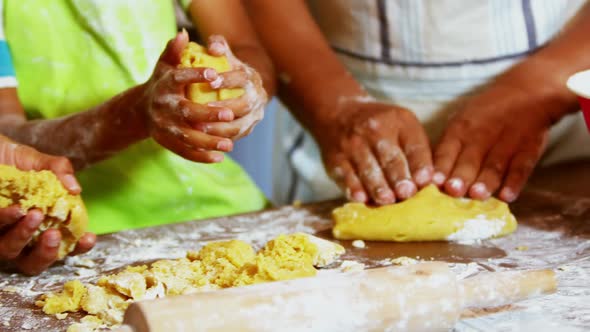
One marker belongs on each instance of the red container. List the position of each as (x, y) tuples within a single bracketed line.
[(585, 103), (579, 84)]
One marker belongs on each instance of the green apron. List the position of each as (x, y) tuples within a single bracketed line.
[(70, 55)]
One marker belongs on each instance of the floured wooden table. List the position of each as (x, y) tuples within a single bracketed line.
[(554, 232)]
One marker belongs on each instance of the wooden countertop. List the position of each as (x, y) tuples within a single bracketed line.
[(553, 227)]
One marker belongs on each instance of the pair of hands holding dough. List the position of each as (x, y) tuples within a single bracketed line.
[(200, 132), (17, 228), (380, 153)]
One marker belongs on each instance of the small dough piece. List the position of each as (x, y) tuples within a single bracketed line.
[(67, 300), (327, 252), (129, 283), (403, 261), (359, 244), (42, 190), (428, 216), (351, 266), (195, 55)]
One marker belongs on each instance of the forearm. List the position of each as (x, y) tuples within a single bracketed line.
[(543, 75), (229, 19), (85, 137), (313, 81)]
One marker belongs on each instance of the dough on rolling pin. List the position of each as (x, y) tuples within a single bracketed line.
[(428, 216), (217, 265), (195, 55), (42, 190)]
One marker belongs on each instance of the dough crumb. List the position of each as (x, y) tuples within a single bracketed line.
[(403, 261), (351, 266), (61, 316), (88, 323), (11, 289), (522, 248), (359, 244), (78, 261)]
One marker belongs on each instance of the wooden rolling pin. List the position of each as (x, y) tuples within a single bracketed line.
[(421, 297)]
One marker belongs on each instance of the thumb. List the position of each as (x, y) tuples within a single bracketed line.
[(174, 48), (218, 46), (64, 171)]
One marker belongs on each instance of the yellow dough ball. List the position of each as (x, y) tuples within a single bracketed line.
[(195, 55), (42, 190)]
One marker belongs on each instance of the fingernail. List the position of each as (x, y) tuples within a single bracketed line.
[(347, 194), (456, 184), (217, 158), (405, 188), (70, 183), (384, 194), (33, 223), (225, 115), (508, 195), (52, 240), (217, 47), (224, 145), (19, 213), (439, 178), (359, 196), (215, 84), (480, 189), (210, 74), (422, 176)]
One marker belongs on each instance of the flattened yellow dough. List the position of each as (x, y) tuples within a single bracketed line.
[(428, 216), (195, 55)]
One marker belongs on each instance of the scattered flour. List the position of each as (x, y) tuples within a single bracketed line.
[(477, 229)]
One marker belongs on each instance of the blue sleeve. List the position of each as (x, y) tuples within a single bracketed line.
[(7, 74), (6, 67)]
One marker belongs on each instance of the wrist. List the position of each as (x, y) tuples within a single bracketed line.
[(256, 57), (337, 103), (135, 102), (543, 84)]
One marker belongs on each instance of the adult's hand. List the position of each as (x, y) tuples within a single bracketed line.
[(492, 144), (376, 152)]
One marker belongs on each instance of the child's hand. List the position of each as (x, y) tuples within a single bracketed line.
[(171, 118), (492, 144), (248, 108), (17, 228), (376, 152)]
